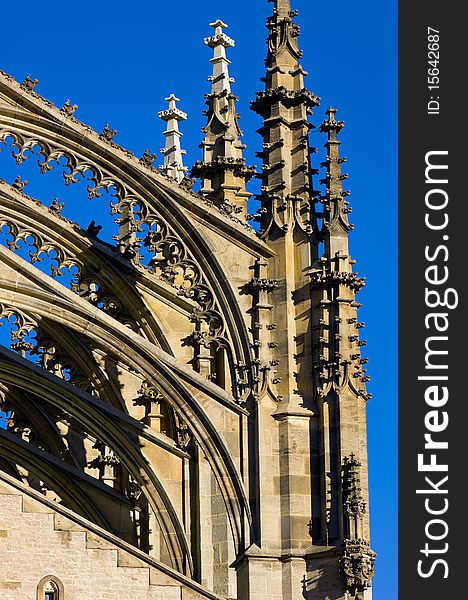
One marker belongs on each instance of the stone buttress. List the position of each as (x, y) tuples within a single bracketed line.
[(185, 400)]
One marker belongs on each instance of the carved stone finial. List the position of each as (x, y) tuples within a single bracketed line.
[(219, 37), (56, 207), (284, 106), (173, 165), (218, 26), (357, 567), (69, 109), (150, 398), (172, 111), (331, 124), (336, 208), (354, 503), (147, 159), (19, 184), (223, 170), (108, 134), (188, 183), (220, 80), (93, 230), (106, 462), (29, 84)]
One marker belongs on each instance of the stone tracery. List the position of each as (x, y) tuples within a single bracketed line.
[(184, 453)]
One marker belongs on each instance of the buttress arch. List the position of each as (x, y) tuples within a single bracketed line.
[(142, 196), (194, 398)]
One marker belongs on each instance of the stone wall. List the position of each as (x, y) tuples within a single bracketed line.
[(37, 541)]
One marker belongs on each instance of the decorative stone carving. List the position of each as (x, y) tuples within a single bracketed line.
[(187, 183), (220, 164), (21, 425), (69, 109), (19, 184), (264, 285), (55, 360), (223, 170), (354, 504), (183, 433), (40, 248), (29, 340), (73, 166), (83, 281), (151, 399), (290, 98), (51, 587), (147, 158), (106, 462), (56, 207), (108, 134), (350, 280), (21, 325), (171, 259), (173, 165), (157, 412), (29, 84), (357, 567), (93, 230)]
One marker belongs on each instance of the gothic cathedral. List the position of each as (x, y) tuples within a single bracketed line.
[(184, 402)]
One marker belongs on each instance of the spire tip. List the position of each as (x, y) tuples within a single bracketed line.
[(172, 97), (219, 24), (219, 38), (222, 170), (173, 164)]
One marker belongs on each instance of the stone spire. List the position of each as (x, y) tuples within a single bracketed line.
[(283, 68), (173, 163), (339, 374), (335, 207), (285, 105), (333, 275), (281, 287), (223, 170), (357, 563)]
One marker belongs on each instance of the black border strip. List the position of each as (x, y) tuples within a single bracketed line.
[(433, 250)]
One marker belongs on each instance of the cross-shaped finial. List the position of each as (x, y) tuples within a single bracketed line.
[(172, 99), (218, 26)]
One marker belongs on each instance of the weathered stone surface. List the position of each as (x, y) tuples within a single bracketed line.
[(187, 404)]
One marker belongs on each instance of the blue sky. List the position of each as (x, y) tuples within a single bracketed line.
[(118, 61)]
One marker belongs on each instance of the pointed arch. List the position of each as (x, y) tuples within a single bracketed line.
[(145, 190), (193, 398), (52, 584)]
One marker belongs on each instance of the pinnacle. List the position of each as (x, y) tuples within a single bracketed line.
[(173, 163), (219, 38), (219, 24), (285, 105), (331, 124), (223, 171), (172, 98), (282, 7), (172, 112), (282, 63), (336, 208)]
